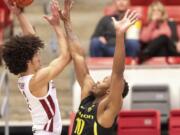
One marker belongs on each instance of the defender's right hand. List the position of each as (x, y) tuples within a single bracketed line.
[(65, 13)]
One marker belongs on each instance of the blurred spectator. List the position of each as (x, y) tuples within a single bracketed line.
[(159, 36), (6, 20), (103, 40), (6, 25)]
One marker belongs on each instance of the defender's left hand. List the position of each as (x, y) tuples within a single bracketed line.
[(128, 20)]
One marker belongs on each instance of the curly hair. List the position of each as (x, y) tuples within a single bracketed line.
[(19, 50)]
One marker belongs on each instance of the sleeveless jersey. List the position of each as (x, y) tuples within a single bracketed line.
[(45, 112), (86, 123)]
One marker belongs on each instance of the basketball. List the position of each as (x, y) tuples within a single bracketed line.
[(21, 3)]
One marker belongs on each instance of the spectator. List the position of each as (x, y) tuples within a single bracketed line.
[(6, 25), (103, 40), (159, 36), (6, 22)]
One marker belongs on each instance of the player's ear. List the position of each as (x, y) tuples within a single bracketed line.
[(126, 89)]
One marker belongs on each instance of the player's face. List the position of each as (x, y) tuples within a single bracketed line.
[(101, 87), (157, 15), (122, 5), (36, 62)]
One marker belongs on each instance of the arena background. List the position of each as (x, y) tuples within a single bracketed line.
[(85, 16)]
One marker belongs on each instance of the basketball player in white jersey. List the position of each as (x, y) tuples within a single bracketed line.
[(21, 56)]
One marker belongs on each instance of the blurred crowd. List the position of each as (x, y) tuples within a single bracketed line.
[(154, 36)]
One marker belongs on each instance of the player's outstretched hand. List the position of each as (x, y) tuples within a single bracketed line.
[(65, 13), (54, 18), (129, 19)]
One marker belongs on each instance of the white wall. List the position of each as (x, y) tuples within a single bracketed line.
[(140, 76)]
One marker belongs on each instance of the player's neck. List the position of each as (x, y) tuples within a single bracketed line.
[(30, 71), (99, 99)]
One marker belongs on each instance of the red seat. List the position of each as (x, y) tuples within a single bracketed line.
[(174, 122), (110, 10), (147, 2), (7, 17), (139, 122), (2, 20), (173, 12), (163, 61), (157, 61), (106, 62)]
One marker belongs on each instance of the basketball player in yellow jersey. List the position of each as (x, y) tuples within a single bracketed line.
[(101, 101)]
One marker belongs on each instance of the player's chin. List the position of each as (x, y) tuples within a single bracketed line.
[(38, 68)]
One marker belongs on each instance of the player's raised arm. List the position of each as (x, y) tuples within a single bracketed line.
[(25, 24), (77, 53), (117, 79), (110, 106), (43, 76)]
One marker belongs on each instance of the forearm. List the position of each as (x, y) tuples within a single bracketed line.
[(61, 40), (25, 25), (119, 55), (71, 34), (77, 54), (74, 43)]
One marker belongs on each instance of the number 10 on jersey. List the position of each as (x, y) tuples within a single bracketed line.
[(79, 126)]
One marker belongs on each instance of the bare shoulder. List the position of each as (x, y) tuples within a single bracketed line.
[(38, 79), (105, 117), (110, 106), (37, 89), (33, 84)]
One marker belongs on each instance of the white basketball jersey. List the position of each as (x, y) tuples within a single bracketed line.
[(44, 111)]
